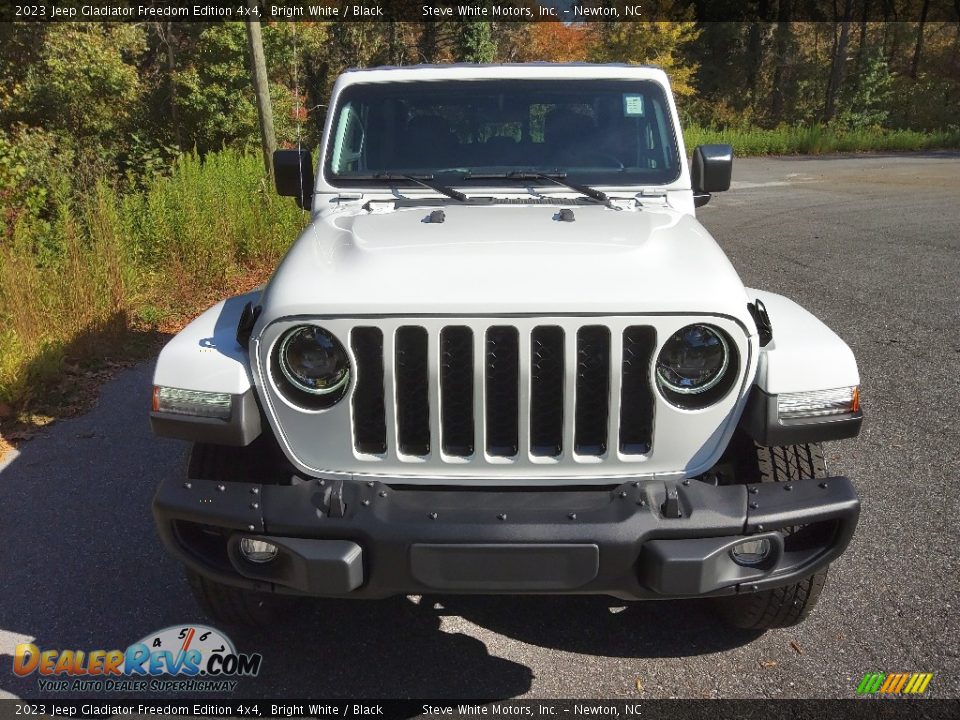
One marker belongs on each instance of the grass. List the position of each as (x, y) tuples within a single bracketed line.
[(106, 271), (818, 140)]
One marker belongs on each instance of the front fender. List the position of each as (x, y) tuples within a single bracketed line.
[(206, 356), (804, 356)]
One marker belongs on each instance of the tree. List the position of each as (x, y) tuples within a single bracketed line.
[(649, 43), (474, 42), (839, 62)]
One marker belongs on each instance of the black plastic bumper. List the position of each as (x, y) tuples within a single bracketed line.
[(638, 540)]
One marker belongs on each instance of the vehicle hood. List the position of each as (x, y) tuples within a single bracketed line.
[(495, 260)]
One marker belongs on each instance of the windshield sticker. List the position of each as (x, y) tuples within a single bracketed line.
[(632, 105)]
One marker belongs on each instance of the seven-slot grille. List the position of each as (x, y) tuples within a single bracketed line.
[(496, 392)]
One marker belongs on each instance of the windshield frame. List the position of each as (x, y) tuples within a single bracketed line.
[(631, 179)]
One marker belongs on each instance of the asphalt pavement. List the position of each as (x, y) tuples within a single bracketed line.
[(870, 244)]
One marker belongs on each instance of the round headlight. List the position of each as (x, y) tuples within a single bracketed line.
[(693, 360), (314, 361)]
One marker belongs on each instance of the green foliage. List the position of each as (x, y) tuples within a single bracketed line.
[(73, 287), (475, 43), (85, 84), (866, 100), (214, 93), (650, 43), (817, 139)]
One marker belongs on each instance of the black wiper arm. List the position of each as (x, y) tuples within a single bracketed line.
[(426, 181), (558, 178)]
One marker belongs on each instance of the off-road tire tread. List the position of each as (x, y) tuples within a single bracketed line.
[(776, 608), (788, 605), (232, 605)]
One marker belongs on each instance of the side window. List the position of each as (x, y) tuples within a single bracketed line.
[(349, 141)]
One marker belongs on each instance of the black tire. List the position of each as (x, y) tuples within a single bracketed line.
[(227, 604), (791, 604)]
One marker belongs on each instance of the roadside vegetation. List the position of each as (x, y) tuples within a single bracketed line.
[(132, 193), (108, 273)]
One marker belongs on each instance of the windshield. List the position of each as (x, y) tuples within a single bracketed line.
[(607, 132)]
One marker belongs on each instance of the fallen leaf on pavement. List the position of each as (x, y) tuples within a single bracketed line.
[(796, 647)]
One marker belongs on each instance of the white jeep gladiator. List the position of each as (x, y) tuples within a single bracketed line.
[(504, 357)]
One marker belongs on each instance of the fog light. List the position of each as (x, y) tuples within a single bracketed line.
[(258, 551), (191, 402), (751, 552)]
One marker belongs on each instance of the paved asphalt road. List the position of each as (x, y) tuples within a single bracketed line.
[(869, 244)]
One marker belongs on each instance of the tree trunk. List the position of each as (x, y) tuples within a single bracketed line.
[(782, 39), (428, 42), (918, 49), (839, 61), (261, 87), (755, 48), (862, 45), (171, 68)]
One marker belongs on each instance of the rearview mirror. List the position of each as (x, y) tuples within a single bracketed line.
[(293, 175), (710, 171)]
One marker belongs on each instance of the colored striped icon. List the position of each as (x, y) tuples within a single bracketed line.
[(894, 683)]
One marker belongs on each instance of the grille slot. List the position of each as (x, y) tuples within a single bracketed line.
[(456, 390), (413, 405), (546, 391), (636, 401), (593, 390), (502, 390), (369, 423)]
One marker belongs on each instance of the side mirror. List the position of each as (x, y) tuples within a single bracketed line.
[(293, 175), (710, 171)]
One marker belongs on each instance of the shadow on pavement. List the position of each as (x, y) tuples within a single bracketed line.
[(83, 569)]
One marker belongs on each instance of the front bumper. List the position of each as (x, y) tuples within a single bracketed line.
[(638, 540)]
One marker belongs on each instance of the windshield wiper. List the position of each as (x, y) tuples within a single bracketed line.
[(425, 180), (559, 178)]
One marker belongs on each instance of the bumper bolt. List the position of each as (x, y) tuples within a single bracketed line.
[(753, 490), (321, 482), (254, 506), (502, 516), (370, 483), (383, 493), (188, 485), (642, 503), (823, 486), (251, 528), (432, 516), (254, 491), (753, 506), (686, 483), (788, 488), (759, 528), (623, 493), (572, 516), (637, 484), (221, 488), (366, 502)]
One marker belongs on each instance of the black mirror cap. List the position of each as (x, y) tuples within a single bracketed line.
[(711, 168), (293, 175)]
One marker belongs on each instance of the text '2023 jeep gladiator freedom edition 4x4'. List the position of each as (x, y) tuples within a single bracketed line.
[(504, 357)]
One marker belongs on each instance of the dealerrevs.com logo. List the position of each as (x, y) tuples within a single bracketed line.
[(186, 658)]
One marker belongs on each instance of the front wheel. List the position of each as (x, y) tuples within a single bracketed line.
[(222, 603), (790, 604), (236, 606)]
